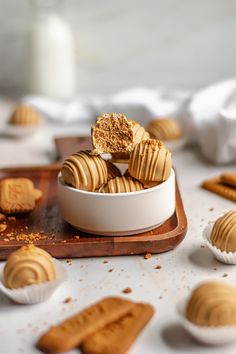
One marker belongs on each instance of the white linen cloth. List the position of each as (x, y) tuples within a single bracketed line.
[(208, 116)]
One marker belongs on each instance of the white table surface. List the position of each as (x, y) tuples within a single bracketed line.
[(90, 279)]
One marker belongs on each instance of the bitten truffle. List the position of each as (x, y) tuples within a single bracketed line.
[(112, 133), (28, 265), (139, 134)]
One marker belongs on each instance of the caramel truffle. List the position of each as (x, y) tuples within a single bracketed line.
[(24, 116), (28, 265), (112, 133), (164, 129), (223, 234), (112, 170), (139, 134), (122, 185), (150, 162), (212, 304), (84, 171)]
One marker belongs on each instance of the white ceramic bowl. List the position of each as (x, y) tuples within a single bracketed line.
[(117, 214)]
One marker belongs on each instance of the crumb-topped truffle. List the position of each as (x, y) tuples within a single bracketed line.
[(150, 162), (28, 265), (212, 304)]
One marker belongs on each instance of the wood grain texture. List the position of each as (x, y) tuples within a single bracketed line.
[(63, 240)]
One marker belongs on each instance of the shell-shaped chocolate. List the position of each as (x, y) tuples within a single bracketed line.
[(25, 115), (223, 234), (164, 129), (212, 304), (112, 133), (150, 162), (28, 265), (84, 171), (122, 185)]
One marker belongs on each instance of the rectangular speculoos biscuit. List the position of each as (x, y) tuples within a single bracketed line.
[(117, 337), (70, 333), (214, 185), (229, 178), (17, 195)]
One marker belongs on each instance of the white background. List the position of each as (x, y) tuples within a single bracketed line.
[(171, 43)]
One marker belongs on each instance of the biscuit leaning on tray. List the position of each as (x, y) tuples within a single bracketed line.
[(139, 134), (121, 185), (212, 304), (150, 162), (28, 265), (112, 133), (223, 234), (164, 129), (25, 116), (84, 171)]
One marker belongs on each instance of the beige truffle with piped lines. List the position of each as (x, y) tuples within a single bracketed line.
[(84, 171), (122, 185), (212, 304), (223, 234), (27, 266), (150, 162)]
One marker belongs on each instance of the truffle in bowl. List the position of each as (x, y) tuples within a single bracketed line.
[(117, 214)]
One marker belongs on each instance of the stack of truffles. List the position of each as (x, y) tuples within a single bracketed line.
[(148, 160)]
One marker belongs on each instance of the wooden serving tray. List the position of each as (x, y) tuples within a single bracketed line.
[(60, 239)]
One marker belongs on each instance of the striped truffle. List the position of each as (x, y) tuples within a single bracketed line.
[(150, 162), (122, 185), (164, 129), (84, 171), (212, 304), (223, 234), (25, 115)]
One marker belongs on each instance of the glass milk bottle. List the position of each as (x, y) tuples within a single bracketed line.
[(51, 52)]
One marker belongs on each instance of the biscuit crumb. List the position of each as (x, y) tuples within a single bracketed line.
[(110, 270), (3, 227), (68, 300), (214, 268), (105, 262), (11, 218), (2, 217), (69, 261), (127, 291), (147, 255), (158, 267), (77, 237), (211, 209), (225, 275)]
